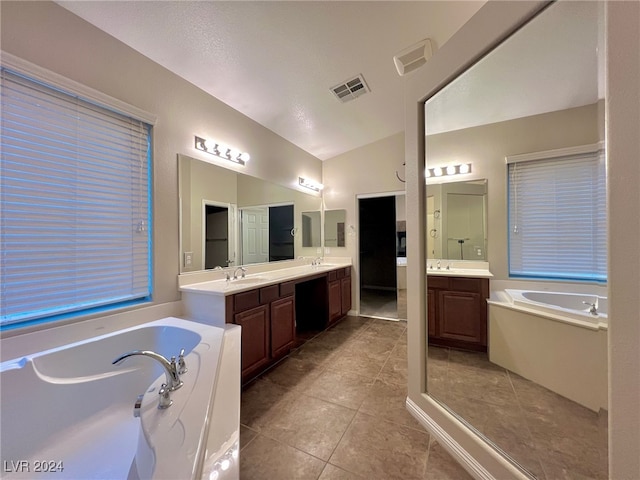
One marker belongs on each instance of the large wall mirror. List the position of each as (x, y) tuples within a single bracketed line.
[(457, 220), (540, 90), (229, 219)]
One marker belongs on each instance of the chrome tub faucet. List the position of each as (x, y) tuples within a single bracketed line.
[(170, 366)]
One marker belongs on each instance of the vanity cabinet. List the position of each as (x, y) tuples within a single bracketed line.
[(267, 318), (339, 293), (457, 312)]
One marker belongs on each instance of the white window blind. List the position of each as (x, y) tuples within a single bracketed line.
[(558, 218), (75, 204)]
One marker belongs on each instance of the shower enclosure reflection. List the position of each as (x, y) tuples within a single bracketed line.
[(518, 99)]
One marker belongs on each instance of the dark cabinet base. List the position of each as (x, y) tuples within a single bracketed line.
[(277, 318), (457, 312)]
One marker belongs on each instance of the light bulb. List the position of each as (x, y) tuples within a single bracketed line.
[(451, 170), (465, 168), (245, 157), (437, 172)]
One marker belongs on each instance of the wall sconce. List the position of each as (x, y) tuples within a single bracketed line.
[(310, 184), (221, 150), (450, 170)]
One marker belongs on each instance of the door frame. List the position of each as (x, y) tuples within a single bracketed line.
[(357, 259), (232, 243)]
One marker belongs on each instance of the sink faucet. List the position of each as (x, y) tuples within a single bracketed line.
[(316, 261), (438, 265), (226, 274), (170, 367), (235, 273)]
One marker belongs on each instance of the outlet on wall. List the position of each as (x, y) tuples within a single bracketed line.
[(188, 259), (327, 250)]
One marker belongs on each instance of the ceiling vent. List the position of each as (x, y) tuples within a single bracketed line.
[(413, 57), (350, 89)]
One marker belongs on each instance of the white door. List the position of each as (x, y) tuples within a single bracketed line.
[(255, 235)]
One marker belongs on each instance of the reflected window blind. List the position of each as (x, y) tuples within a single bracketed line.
[(75, 204), (557, 218)]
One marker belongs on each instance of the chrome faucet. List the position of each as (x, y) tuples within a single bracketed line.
[(235, 272), (170, 367), (593, 310), (226, 274), (438, 265), (316, 261)]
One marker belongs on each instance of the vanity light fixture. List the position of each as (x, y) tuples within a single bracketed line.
[(310, 184), (450, 170), (221, 150)]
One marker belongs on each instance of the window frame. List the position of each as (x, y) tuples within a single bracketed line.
[(86, 94), (587, 152)]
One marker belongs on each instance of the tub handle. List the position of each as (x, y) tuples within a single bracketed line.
[(594, 308), (137, 405)]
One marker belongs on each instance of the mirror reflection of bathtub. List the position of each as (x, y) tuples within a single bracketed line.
[(72, 407)]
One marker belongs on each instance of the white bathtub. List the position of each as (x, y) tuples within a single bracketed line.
[(67, 413), (572, 308), (552, 339)]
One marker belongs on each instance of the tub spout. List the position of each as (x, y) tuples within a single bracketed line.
[(170, 367), (593, 308)]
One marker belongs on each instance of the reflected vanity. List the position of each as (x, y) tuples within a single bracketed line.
[(555, 102)]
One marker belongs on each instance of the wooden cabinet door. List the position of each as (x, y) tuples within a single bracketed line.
[(335, 300), (431, 312), (255, 338), (283, 326), (345, 287), (460, 317)]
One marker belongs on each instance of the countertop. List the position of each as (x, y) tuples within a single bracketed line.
[(260, 279)]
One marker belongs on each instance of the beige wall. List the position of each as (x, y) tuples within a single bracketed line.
[(51, 37), (366, 170)]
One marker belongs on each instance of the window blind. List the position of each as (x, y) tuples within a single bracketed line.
[(75, 203), (557, 218)]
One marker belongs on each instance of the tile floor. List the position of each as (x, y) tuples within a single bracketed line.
[(383, 304), (335, 409), (551, 436)]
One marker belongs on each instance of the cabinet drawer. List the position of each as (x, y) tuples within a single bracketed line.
[(465, 284), (269, 294), (438, 282), (245, 300), (287, 288), (332, 276), (347, 271), (340, 273)]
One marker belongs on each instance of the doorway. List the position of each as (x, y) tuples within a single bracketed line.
[(381, 241), (218, 243)]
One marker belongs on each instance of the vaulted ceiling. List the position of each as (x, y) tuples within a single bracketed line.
[(276, 61)]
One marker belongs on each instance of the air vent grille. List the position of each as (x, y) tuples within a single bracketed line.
[(350, 89)]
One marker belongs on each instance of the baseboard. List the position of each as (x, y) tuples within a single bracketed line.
[(470, 464)]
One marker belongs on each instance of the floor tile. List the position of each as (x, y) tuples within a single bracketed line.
[(258, 401), (331, 472), (246, 435), (294, 373), (388, 401), (440, 465), (395, 371), (376, 449), (265, 458), (344, 388), (309, 424)]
